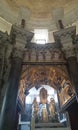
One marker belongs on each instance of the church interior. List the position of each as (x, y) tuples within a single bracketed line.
[(38, 65)]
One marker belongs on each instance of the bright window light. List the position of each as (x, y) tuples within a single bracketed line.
[(28, 100), (38, 99), (41, 36)]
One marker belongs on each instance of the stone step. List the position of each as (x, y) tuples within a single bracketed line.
[(53, 128), (48, 125)]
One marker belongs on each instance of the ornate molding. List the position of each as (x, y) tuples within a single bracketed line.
[(66, 33), (19, 37), (66, 37), (51, 46), (20, 34), (43, 53)]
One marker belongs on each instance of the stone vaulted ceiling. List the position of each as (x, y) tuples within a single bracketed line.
[(41, 8), (41, 12)]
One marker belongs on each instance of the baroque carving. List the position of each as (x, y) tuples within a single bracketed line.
[(46, 53), (65, 33), (20, 33), (66, 37)]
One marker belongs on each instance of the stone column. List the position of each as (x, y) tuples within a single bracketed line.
[(8, 112), (4, 61), (2, 56), (76, 50), (66, 38), (3, 39), (6, 65)]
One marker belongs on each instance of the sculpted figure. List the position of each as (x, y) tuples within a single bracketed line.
[(35, 107), (52, 107), (43, 96)]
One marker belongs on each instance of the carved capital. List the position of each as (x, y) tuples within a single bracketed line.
[(63, 34), (66, 38), (21, 35), (19, 39)]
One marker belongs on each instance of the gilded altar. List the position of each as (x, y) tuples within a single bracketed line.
[(43, 111)]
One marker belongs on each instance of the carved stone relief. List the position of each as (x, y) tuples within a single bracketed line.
[(43, 54)]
